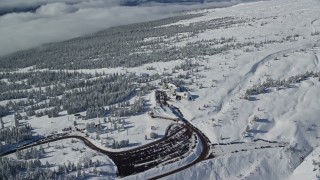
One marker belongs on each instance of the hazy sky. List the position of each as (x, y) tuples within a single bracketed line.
[(28, 23)]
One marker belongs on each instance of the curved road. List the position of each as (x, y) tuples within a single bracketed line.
[(203, 156), (90, 144), (189, 126)]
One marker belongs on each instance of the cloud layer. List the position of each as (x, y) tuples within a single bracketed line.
[(26, 24)]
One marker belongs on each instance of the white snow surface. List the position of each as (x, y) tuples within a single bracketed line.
[(309, 168), (289, 115)]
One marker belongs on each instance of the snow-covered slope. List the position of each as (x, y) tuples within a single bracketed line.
[(275, 39), (309, 168), (289, 114)]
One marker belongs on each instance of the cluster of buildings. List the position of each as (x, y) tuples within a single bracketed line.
[(179, 92)]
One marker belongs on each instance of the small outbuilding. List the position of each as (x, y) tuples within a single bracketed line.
[(77, 116), (183, 95), (144, 75)]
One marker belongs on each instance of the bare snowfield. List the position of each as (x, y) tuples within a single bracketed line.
[(289, 115), (284, 45)]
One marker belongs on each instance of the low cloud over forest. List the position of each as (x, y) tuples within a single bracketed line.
[(26, 24)]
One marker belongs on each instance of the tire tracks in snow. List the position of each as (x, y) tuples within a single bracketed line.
[(316, 61), (243, 81), (313, 21)]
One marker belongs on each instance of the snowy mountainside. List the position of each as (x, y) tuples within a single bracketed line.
[(309, 168), (252, 71), (285, 114)]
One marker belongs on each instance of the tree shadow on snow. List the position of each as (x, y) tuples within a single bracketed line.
[(257, 131), (263, 121), (267, 91), (194, 97), (133, 144), (47, 156), (224, 138), (253, 99), (160, 136), (128, 127)]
